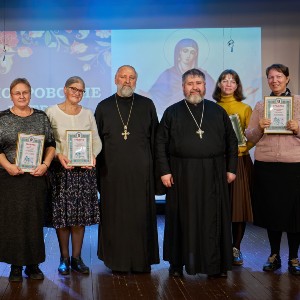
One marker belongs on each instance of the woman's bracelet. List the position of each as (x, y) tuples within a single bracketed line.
[(45, 165)]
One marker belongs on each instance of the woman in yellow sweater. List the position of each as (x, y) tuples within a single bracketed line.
[(229, 94)]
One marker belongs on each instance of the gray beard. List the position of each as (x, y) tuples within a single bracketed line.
[(126, 91), (194, 99)]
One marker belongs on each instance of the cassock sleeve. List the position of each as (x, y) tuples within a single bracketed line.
[(162, 142), (159, 187), (231, 147), (99, 158)]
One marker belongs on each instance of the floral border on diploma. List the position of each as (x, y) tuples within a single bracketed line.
[(280, 110), (29, 151), (237, 127), (79, 144)]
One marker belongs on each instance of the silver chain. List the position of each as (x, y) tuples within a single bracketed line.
[(199, 126)]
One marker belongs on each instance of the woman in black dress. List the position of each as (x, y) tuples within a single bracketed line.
[(23, 194)]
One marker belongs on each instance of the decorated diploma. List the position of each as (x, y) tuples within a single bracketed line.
[(237, 127), (29, 151), (79, 144), (280, 111)]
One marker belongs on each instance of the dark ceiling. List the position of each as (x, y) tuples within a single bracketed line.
[(57, 14)]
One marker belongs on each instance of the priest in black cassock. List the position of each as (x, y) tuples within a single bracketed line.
[(197, 151), (127, 123)]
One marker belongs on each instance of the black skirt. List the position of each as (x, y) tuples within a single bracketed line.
[(276, 196), (22, 200)]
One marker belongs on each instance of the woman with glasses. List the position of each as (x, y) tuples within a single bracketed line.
[(23, 187), (229, 94), (74, 199)]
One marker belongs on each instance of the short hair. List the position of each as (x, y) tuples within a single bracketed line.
[(278, 67), (19, 80), (74, 79), (238, 93), (127, 66), (194, 73)]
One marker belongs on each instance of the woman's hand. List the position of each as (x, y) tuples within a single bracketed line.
[(293, 125), (13, 170), (64, 161), (90, 167), (39, 170), (264, 123)]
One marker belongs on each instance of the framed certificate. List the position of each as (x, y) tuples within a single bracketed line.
[(79, 144), (29, 151), (280, 111), (237, 127)]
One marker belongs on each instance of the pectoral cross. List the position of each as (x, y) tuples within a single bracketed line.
[(125, 133), (200, 132)]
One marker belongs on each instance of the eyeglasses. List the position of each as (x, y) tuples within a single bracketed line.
[(19, 94), (75, 90)]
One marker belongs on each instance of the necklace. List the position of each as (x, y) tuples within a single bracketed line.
[(199, 131), (125, 133)]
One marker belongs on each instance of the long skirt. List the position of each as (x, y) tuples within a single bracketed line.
[(22, 200), (240, 191), (276, 196), (73, 198)]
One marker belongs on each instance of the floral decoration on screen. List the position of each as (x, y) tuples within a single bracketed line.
[(90, 47)]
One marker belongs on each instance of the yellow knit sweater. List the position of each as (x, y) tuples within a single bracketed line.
[(244, 111)]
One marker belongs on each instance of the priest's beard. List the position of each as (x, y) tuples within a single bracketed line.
[(194, 99), (125, 91)]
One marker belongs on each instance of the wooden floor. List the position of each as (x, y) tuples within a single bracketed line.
[(247, 282)]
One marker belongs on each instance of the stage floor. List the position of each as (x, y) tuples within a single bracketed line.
[(246, 282)]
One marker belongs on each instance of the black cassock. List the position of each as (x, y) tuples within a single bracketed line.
[(128, 230), (198, 222)]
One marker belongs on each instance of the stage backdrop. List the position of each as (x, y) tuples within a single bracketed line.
[(48, 58)]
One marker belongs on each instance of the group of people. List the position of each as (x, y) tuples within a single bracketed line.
[(192, 155)]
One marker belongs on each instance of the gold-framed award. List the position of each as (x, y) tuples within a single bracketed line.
[(237, 127), (280, 110), (29, 151), (79, 145)]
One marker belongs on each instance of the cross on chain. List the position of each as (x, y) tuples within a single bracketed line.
[(200, 132), (125, 133)]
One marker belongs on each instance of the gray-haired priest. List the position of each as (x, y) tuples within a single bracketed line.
[(197, 158), (127, 124)]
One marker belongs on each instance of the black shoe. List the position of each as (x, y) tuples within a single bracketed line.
[(294, 266), (273, 263), (175, 271), (34, 272), (15, 273), (222, 274), (145, 271), (78, 265), (64, 266)]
